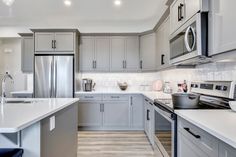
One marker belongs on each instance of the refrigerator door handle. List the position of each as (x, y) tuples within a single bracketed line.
[(51, 82), (55, 78)]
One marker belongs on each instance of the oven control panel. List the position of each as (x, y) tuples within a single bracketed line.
[(225, 89)]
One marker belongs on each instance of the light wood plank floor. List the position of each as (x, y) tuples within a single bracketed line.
[(113, 144)]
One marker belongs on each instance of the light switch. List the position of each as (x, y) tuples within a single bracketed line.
[(52, 123)]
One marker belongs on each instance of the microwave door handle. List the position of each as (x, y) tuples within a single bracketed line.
[(189, 49), (194, 38), (186, 43)]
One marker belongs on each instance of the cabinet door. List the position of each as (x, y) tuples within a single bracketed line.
[(192, 7), (137, 117), (117, 53), (27, 54), (222, 26), (163, 47), (132, 54), (186, 148), (116, 114), (175, 8), (87, 49), (148, 52), (44, 42), (102, 53), (64, 42), (89, 114), (226, 150)]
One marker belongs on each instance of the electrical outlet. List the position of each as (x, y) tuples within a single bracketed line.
[(52, 123)]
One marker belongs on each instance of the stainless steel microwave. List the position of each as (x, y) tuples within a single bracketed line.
[(189, 44)]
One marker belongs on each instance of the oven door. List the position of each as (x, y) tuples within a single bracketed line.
[(190, 40), (165, 131)]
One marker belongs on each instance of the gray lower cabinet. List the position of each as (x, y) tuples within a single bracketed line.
[(27, 52), (195, 142), (116, 114), (226, 151), (137, 108), (110, 112), (89, 114), (149, 120)]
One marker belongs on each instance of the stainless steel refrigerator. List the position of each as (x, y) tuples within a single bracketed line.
[(54, 76)]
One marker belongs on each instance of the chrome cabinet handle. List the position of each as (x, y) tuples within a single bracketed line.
[(95, 64), (125, 64), (131, 100), (189, 49)]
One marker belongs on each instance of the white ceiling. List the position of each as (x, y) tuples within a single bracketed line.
[(86, 15)]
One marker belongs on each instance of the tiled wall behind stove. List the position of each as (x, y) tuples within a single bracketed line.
[(207, 72)]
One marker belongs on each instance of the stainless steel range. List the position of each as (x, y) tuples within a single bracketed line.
[(213, 95)]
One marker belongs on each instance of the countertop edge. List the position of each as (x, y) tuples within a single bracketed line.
[(208, 130)]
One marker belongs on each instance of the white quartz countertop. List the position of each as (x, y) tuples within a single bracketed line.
[(149, 94), (219, 123), (17, 116)]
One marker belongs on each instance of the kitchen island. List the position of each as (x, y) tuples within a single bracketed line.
[(42, 127)]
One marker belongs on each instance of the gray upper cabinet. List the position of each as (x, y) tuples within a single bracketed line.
[(87, 50), (222, 26), (102, 54), (148, 52), (176, 18), (54, 42), (64, 41), (94, 53), (109, 53), (163, 47), (132, 54), (117, 54), (44, 42), (182, 10), (27, 53)]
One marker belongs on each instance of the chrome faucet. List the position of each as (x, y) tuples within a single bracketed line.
[(5, 77)]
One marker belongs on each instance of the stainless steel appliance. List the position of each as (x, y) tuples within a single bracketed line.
[(213, 95), (88, 85), (54, 76), (188, 45)]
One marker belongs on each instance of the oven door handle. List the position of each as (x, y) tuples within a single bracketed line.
[(187, 45)]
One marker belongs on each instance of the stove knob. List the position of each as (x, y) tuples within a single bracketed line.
[(225, 88)]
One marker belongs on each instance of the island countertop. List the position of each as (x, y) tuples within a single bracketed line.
[(219, 123), (17, 116)]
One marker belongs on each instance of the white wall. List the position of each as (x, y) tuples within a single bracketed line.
[(11, 62)]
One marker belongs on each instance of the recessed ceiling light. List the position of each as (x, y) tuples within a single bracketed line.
[(67, 2), (8, 2), (117, 2)]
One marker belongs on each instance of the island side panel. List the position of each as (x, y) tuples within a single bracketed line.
[(62, 140)]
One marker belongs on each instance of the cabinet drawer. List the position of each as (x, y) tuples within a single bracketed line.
[(89, 97), (115, 97), (202, 139)]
